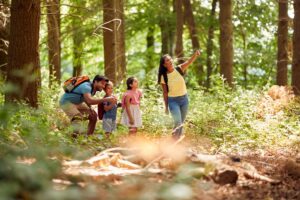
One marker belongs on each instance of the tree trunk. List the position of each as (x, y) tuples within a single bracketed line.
[(296, 49), (54, 49), (226, 43), (164, 28), (121, 57), (172, 28), (114, 40), (78, 38), (282, 42), (23, 53), (189, 17), (209, 47), (4, 33), (150, 49), (179, 31)]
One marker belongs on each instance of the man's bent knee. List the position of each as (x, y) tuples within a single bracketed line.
[(93, 116)]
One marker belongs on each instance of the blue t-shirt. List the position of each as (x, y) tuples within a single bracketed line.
[(112, 113), (76, 96)]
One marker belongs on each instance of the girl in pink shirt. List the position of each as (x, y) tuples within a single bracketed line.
[(131, 116)]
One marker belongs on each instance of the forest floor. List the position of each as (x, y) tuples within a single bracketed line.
[(147, 168), (237, 146), (193, 167)]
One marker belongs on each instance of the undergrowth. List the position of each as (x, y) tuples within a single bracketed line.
[(230, 118)]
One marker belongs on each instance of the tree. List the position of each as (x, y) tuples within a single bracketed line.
[(164, 27), (78, 37), (4, 33), (210, 42), (296, 49), (54, 49), (282, 43), (121, 58), (150, 49), (114, 39), (23, 52), (226, 43), (190, 21), (179, 30)]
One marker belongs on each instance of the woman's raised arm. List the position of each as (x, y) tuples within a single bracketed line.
[(187, 63)]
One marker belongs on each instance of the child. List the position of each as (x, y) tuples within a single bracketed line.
[(110, 111), (131, 115)]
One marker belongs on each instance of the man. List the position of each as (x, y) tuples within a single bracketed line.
[(76, 104)]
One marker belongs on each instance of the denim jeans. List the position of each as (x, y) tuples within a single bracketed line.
[(178, 107)]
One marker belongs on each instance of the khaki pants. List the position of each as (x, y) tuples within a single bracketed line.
[(78, 113)]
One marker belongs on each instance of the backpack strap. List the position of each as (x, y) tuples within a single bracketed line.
[(79, 85), (180, 71)]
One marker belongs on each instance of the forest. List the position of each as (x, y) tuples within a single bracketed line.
[(149, 99)]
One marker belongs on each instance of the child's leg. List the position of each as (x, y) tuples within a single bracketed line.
[(132, 130), (107, 134)]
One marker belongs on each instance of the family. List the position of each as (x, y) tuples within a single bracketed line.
[(77, 103)]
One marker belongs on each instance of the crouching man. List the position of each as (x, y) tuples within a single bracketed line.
[(77, 102)]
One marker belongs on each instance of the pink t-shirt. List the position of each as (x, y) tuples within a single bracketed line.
[(135, 97)]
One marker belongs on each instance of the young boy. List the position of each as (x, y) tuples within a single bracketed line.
[(110, 111)]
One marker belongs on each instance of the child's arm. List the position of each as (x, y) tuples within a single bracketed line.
[(108, 107), (186, 64), (165, 94), (127, 106)]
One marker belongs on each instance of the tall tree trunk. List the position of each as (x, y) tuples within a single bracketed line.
[(114, 40), (245, 58), (179, 31), (121, 58), (209, 47), (23, 53), (150, 49), (282, 43), (164, 28), (190, 21), (296, 49), (226, 43), (109, 40), (4, 33), (78, 38), (172, 28), (54, 49)]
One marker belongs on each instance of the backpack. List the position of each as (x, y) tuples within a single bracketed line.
[(100, 111), (73, 82)]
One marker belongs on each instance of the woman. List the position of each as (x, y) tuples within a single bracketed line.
[(174, 90)]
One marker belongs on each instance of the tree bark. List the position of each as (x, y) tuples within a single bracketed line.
[(179, 31), (282, 43), (164, 28), (209, 47), (114, 40), (109, 40), (121, 48), (23, 52), (150, 49), (226, 41), (78, 38), (54, 49), (190, 21), (296, 49), (4, 33)]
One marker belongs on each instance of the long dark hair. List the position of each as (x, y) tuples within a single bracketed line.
[(129, 82), (162, 70)]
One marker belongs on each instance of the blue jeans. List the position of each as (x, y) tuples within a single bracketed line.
[(178, 107)]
